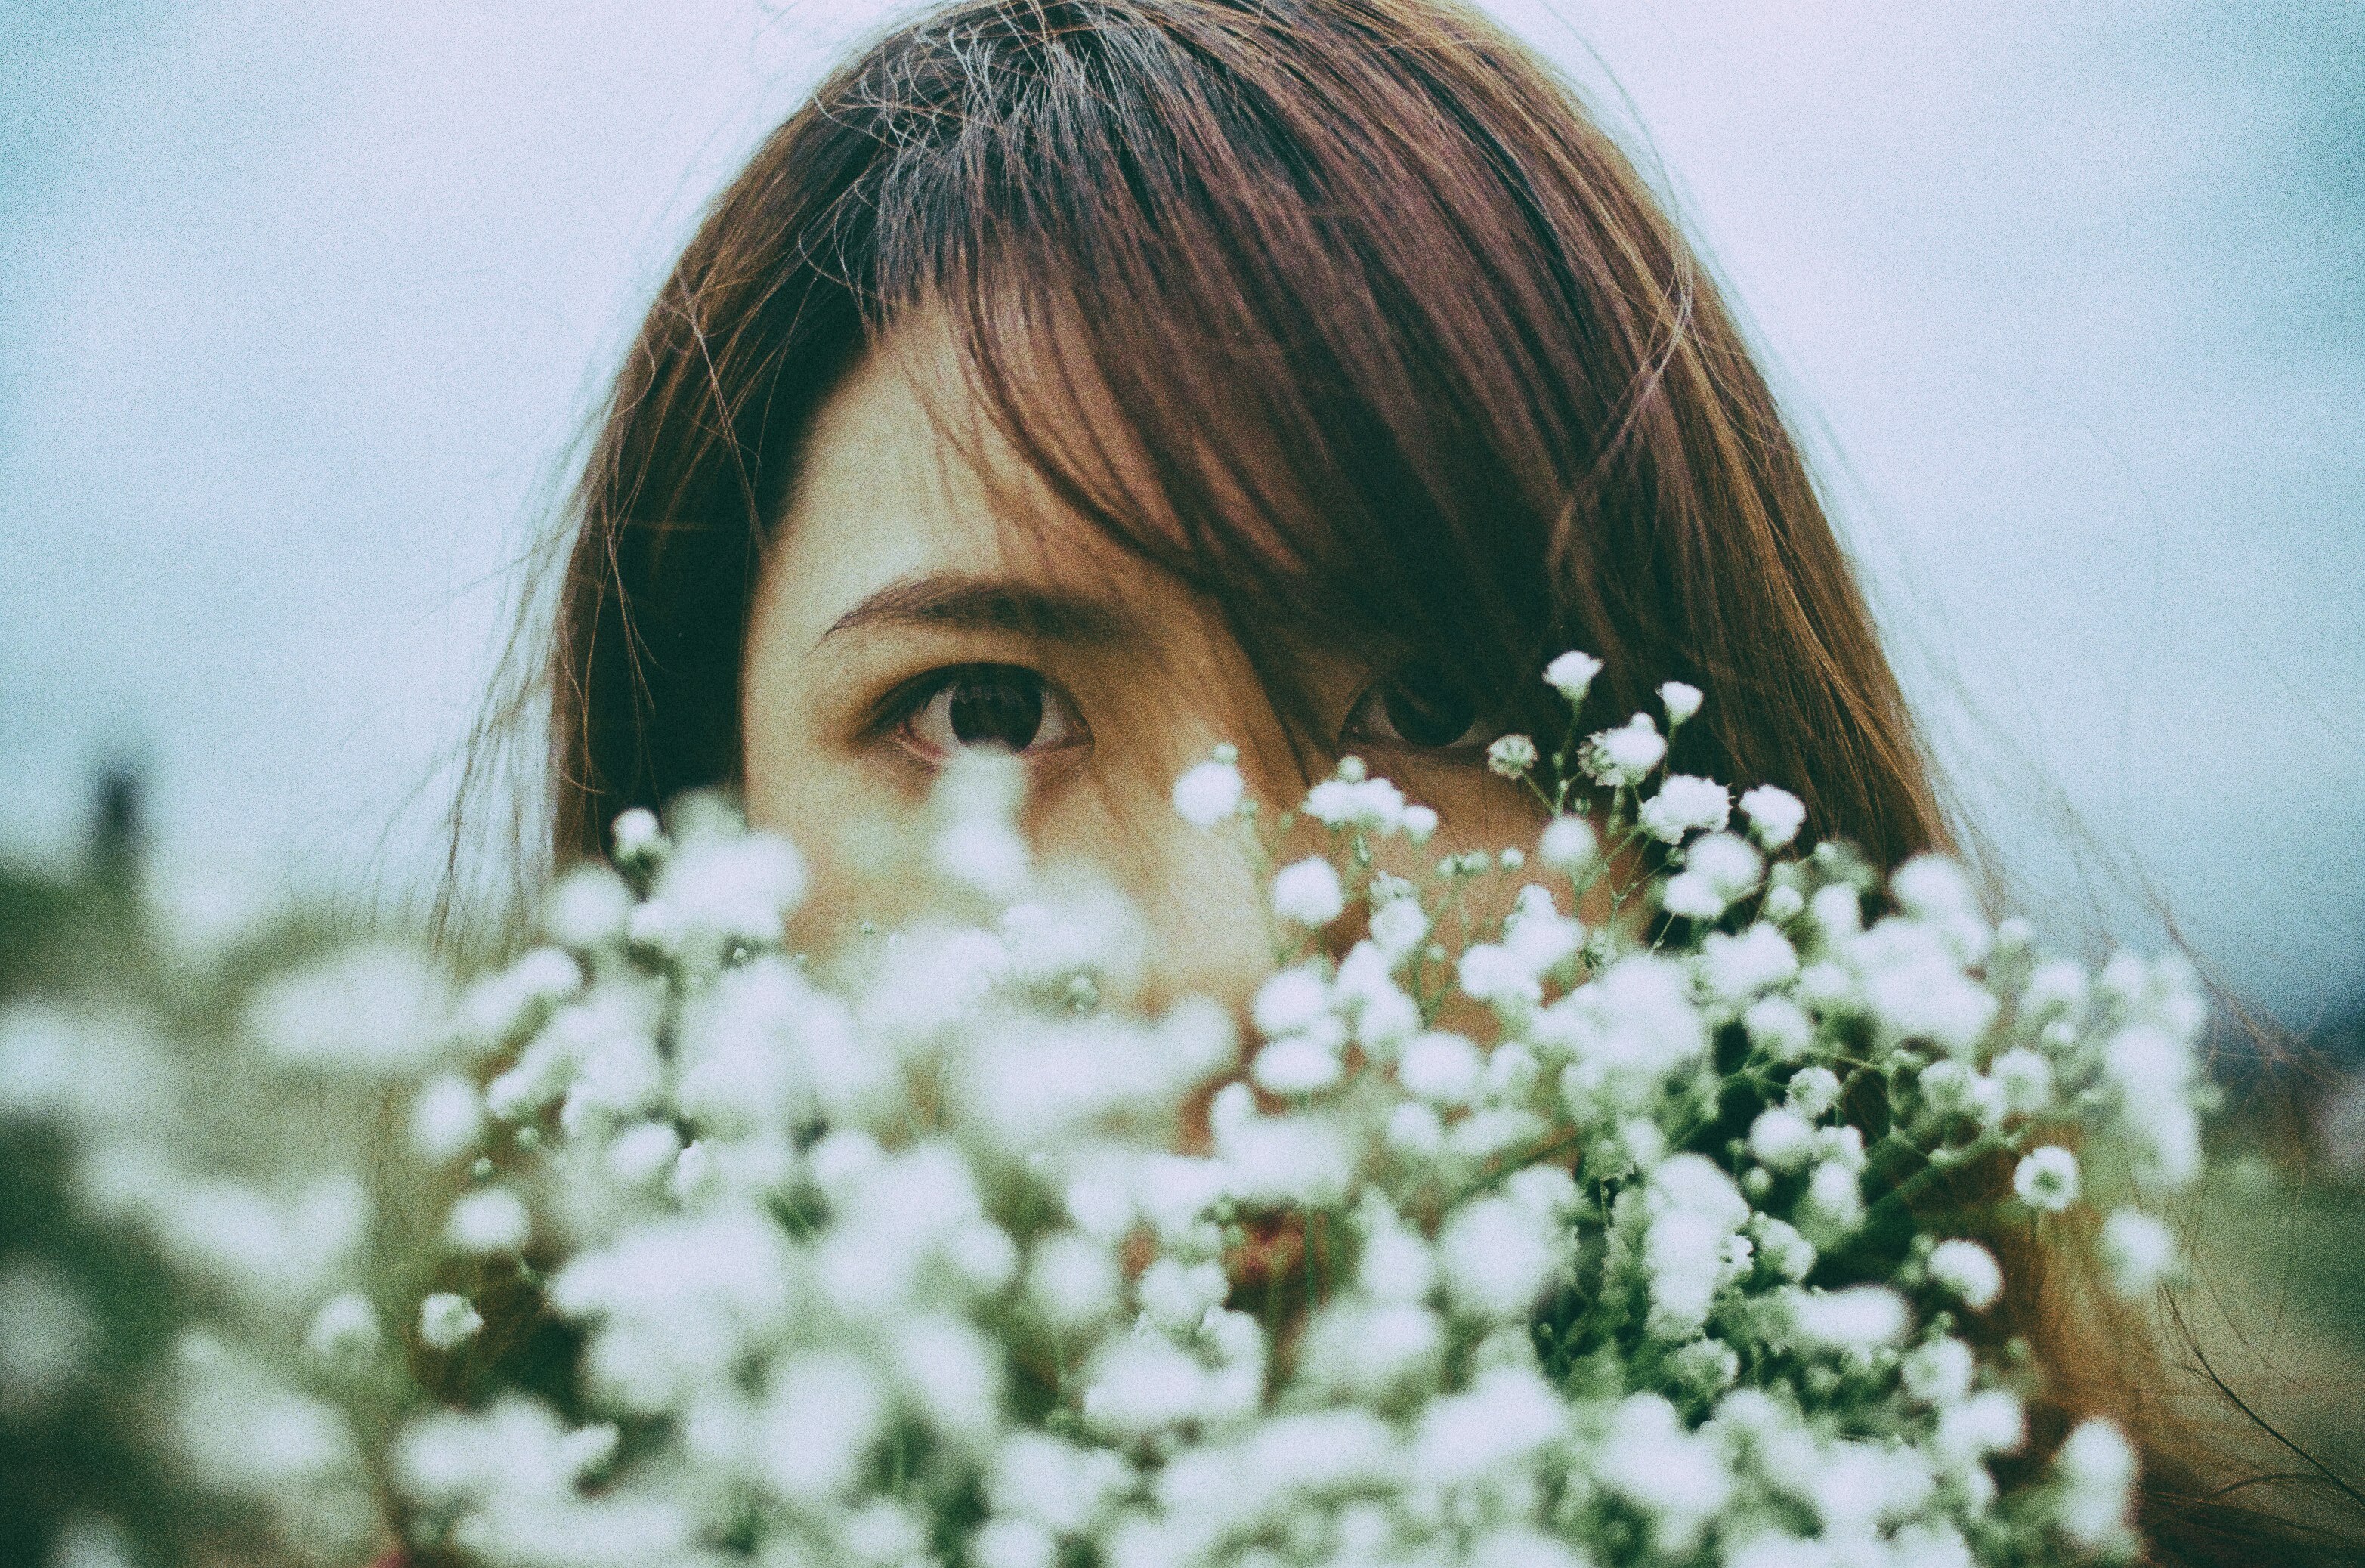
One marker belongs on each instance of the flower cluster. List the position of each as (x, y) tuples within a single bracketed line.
[(1651, 1221)]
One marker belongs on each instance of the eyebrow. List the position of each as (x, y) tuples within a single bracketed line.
[(987, 604)]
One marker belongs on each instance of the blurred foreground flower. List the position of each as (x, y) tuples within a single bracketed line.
[(665, 1245)]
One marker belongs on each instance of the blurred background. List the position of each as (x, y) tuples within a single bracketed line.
[(302, 305)]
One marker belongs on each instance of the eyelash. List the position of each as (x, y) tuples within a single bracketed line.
[(1371, 704), (909, 703)]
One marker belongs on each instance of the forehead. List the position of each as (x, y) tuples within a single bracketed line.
[(903, 475)]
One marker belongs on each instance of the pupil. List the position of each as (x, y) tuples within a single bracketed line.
[(1426, 710), (1002, 708)]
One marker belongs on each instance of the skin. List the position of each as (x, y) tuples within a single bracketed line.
[(897, 558)]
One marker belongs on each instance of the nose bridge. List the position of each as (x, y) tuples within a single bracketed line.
[(1201, 897)]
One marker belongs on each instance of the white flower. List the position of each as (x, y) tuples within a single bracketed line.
[(1507, 1414), (723, 889), (1779, 1027), (1511, 756), (1695, 1213), (1208, 793), (1686, 804), (1738, 966), (1373, 804), (1072, 1280), (1626, 756), (1968, 1270), (820, 1417), (1813, 1090), (1990, 1421), (1057, 1485), (1398, 925), (1626, 1032), (1298, 1064), (2138, 1250), (1833, 1204), (1291, 1000), (1492, 972), (1418, 822), (1775, 814), (344, 1331), (1938, 1373), (1013, 1543), (493, 1220), (1913, 980), (1856, 1320), (446, 1320), (2096, 1468), (1569, 845), (2024, 1079), (1781, 1139), (446, 1117), (1690, 896), (48, 1340), (1572, 675), (1726, 862), (588, 908), (1441, 1067), (1497, 1255), (1308, 893), (636, 833), (1680, 699), (2048, 1178), (1678, 1479), (1141, 1385)]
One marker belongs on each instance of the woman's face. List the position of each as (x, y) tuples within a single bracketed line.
[(911, 609)]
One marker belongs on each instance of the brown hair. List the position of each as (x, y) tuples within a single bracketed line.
[(1407, 352)]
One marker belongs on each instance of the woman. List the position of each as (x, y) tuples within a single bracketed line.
[(1101, 380)]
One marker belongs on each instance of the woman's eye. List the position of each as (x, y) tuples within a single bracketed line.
[(1002, 706), (1415, 707)]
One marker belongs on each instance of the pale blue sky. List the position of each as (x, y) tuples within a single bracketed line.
[(301, 303)]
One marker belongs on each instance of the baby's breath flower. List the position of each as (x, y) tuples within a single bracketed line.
[(1779, 1027), (1684, 805), (1208, 793), (493, 1220), (2138, 1250), (1438, 1066), (445, 1320), (1569, 845), (1681, 701), (1938, 1373), (1990, 1421), (1814, 1091), (1497, 1256), (588, 908), (1511, 756), (2046, 1178), (343, 1332), (1572, 675), (1625, 756), (1398, 925), (2095, 1469), (635, 835), (2024, 1079), (1967, 1270), (446, 1117), (1856, 1320), (1418, 822), (1775, 814), (1781, 1139), (1308, 893)]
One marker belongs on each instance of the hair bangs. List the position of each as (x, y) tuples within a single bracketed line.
[(1205, 315)]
